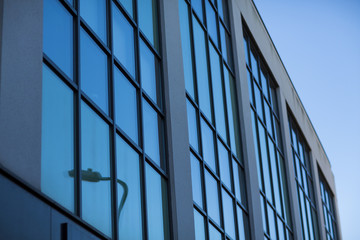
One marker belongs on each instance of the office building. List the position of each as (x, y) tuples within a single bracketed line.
[(154, 120)]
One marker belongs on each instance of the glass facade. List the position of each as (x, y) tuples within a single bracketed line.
[(217, 167), (304, 181), (328, 205), (103, 139), (268, 146)]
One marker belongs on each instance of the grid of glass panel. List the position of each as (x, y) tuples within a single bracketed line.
[(218, 181), (304, 180), (268, 146), (103, 154), (327, 199)]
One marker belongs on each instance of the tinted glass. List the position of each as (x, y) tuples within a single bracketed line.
[(129, 6), (214, 234), (95, 155), (129, 195), (226, 45), (156, 205), (208, 145), (94, 13), (211, 22), (58, 36), (199, 226), (147, 12), (228, 209), (148, 71), (126, 105), (217, 92), (94, 79), (201, 69), (57, 140), (223, 156), (212, 197), (192, 125), (186, 48), (151, 133), (242, 224), (265, 162), (196, 180), (123, 41), (197, 5)]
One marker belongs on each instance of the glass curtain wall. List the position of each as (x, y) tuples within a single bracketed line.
[(327, 199), (217, 167), (103, 146), (304, 181), (268, 146)]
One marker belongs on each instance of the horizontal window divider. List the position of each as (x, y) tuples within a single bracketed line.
[(125, 13), (217, 226), (199, 20), (94, 37), (194, 152), (96, 108), (149, 45), (242, 207), (213, 174), (204, 117), (59, 73), (157, 168), (153, 104), (225, 26), (125, 72), (128, 140), (192, 101), (223, 141), (69, 7), (228, 67)]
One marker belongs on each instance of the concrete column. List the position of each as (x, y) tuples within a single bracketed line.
[(21, 88), (176, 124), (247, 138)]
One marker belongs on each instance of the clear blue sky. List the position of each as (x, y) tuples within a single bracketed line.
[(319, 43)]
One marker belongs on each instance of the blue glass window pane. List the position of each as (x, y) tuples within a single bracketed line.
[(94, 79), (151, 133), (228, 210), (208, 147), (226, 45), (242, 226), (202, 69), (222, 9), (94, 14), (129, 6), (147, 12), (57, 140), (211, 23), (246, 49), (257, 155), (223, 155), (254, 66), (217, 92), (126, 105), (192, 124), (214, 234), (272, 223), (264, 84), (58, 36), (274, 174), (258, 101), (123, 39), (95, 155), (157, 211), (236, 180), (232, 112), (265, 162), (263, 213), (196, 180), (186, 48), (280, 227), (268, 118), (148, 71), (129, 194), (251, 96), (197, 5), (199, 226), (212, 197)]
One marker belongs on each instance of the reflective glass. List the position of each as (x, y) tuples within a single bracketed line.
[(151, 133), (157, 211), (123, 40), (222, 9), (202, 69), (212, 197), (186, 47), (284, 190), (208, 145), (95, 165), (192, 126), (264, 84), (214, 234), (211, 22), (197, 5), (254, 66), (93, 68), (129, 6), (265, 163), (57, 140), (274, 174), (196, 180), (225, 45), (126, 105), (242, 226), (199, 226), (268, 118), (263, 214), (257, 154), (280, 227), (148, 71), (58, 36), (246, 52), (258, 101), (251, 96), (271, 221), (228, 210), (217, 92), (223, 156), (129, 194), (94, 14), (232, 112), (147, 13)]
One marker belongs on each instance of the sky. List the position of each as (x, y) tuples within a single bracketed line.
[(319, 43)]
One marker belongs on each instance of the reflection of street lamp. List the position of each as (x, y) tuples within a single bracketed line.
[(90, 176)]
